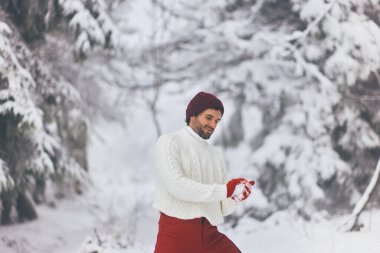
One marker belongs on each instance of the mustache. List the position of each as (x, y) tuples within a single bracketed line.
[(209, 129)]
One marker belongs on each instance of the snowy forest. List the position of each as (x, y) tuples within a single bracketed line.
[(87, 87)]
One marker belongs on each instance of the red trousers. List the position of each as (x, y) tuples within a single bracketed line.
[(191, 236)]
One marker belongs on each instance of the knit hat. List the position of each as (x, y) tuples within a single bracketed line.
[(203, 101)]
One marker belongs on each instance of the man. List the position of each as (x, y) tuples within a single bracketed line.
[(192, 193)]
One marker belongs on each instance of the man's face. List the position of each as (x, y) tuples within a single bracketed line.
[(205, 123)]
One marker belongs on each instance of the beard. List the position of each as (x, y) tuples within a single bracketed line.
[(204, 132)]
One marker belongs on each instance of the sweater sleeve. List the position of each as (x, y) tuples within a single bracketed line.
[(170, 172), (228, 205)]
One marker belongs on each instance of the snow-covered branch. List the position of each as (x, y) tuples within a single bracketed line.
[(6, 182), (297, 35), (368, 192), (91, 24), (352, 223)]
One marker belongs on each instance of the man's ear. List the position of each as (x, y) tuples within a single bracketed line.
[(192, 118)]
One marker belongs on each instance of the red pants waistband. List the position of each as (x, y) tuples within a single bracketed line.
[(168, 218)]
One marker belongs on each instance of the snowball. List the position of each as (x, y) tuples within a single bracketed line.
[(240, 190)]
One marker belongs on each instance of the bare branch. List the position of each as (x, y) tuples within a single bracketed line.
[(172, 12)]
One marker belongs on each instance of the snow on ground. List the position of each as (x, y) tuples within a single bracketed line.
[(65, 228), (56, 228), (281, 233)]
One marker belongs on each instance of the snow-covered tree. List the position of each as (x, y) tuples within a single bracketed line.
[(34, 131), (43, 134), (88, 19)]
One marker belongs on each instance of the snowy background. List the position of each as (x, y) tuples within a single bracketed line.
[(86, 88), (116, 210)]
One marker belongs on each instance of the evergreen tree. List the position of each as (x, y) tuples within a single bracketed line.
[(43, 134)]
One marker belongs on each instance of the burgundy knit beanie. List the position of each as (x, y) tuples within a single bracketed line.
[(203, 101)]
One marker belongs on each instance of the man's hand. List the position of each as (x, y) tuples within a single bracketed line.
[(247, 191), (231, 186)]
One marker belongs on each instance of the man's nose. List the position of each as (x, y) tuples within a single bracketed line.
[(213, 124)]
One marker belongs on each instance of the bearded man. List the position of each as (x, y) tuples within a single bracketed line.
[(192, 191)]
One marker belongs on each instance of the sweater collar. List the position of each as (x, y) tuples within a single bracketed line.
[(190, 131)]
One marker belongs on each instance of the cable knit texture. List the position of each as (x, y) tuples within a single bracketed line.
[(190, 178)]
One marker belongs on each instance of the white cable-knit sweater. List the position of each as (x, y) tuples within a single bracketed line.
[(190, 178)]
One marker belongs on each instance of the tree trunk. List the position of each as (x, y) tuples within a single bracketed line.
[(6, 211), (39, 191), (25, 208)]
